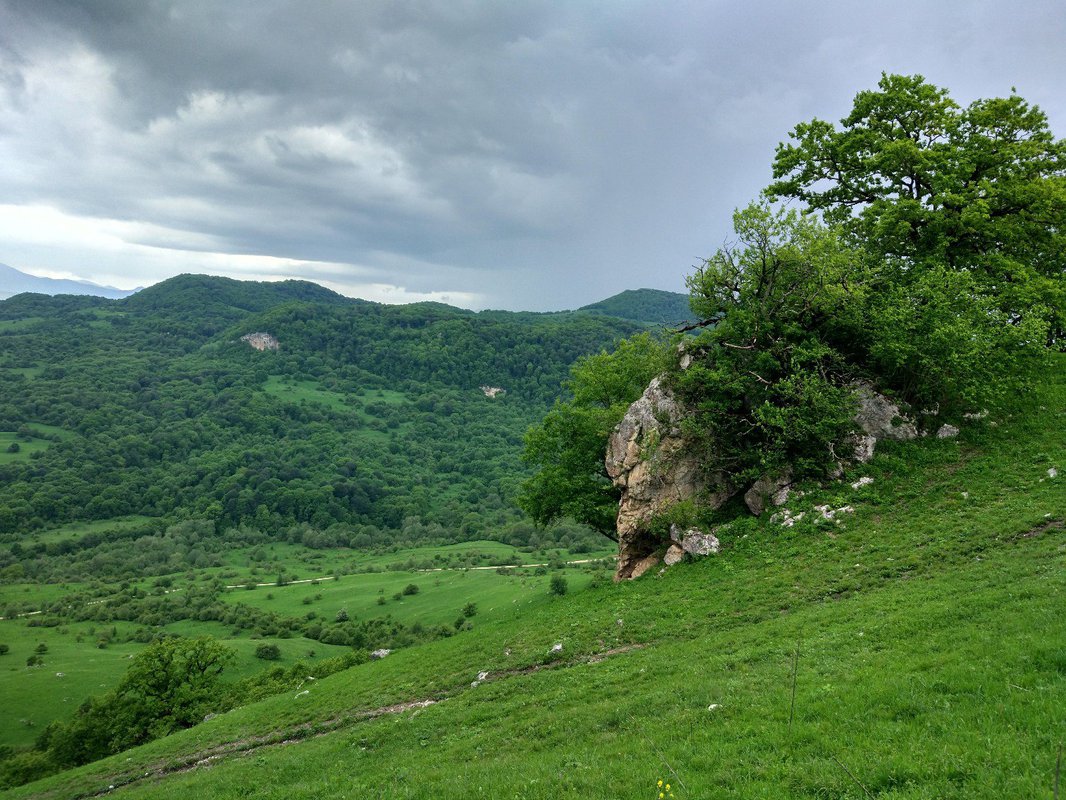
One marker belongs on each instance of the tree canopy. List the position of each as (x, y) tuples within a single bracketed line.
[(930, 185)]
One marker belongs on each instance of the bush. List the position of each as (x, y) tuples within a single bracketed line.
[(410, 588), (268, 652), (558, 585)]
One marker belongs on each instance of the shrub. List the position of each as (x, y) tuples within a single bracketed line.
[(268, 652)]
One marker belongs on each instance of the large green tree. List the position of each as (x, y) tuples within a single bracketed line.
[(929, 185)]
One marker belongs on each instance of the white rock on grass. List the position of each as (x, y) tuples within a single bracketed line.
[(947, 432), (1053, 473), (865, 480)]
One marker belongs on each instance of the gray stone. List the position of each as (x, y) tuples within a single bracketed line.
[(768, 490), (947, 432), (380, 653), (880, 417), (697, 543)]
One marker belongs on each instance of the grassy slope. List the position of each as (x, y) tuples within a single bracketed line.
[(932, 665)]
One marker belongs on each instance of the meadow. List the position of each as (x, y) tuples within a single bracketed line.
[(84, 658)]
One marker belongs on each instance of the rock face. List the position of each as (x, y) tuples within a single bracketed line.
[(261, 341), (646, 459)]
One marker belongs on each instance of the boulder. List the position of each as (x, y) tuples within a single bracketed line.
[(768, 490), (947, 432), (674, 554), (694, 541), (880, 418)]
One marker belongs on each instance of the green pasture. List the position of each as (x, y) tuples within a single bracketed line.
[(26, 447), (35, 696), (27, 372), (19, 325), (73, 531), (293, 391), (74, 668), (32, 596), (440, 599), (304, 563)]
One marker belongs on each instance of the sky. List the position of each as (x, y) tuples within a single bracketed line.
[(502, 154)]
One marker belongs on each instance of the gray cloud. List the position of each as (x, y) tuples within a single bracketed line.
[(524, 155)]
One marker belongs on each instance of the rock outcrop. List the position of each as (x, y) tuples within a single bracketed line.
[(261, 341), (878, 418), (647, 461)]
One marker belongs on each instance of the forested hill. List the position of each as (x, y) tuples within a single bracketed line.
[(369, 421), (653, 306)]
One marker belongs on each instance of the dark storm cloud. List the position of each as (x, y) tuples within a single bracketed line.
[(514, 154)]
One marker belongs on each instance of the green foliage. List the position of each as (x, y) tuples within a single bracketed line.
[(928, 185), (170, 685), (410, 589), (767, 386), (940, 275), (369, 422), (557, 586), (567, 448)]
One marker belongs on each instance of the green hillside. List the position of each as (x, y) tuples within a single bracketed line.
[(653, 306), (369, 416), (915, 650)]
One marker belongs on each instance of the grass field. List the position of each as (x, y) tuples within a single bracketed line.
[(73, 531), (915, 651), (32, 701), (292, 391), (38, 441)]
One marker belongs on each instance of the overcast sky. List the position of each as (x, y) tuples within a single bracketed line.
[(506, 154)]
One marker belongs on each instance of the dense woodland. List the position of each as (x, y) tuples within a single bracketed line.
[(367, 427)]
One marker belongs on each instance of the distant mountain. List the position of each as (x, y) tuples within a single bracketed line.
[(13, 282), (645, 305), (197, 292)]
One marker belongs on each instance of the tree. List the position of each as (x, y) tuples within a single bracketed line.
[(567, 448), (557, 586), (14, 447), (170, 685), (926, 184), (767, 387)]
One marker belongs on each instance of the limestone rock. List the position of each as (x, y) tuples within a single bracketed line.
[(947, 432), (647, 461), (674, 554), (261, 341), (769, 489), (379, 654), (880, 417)]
